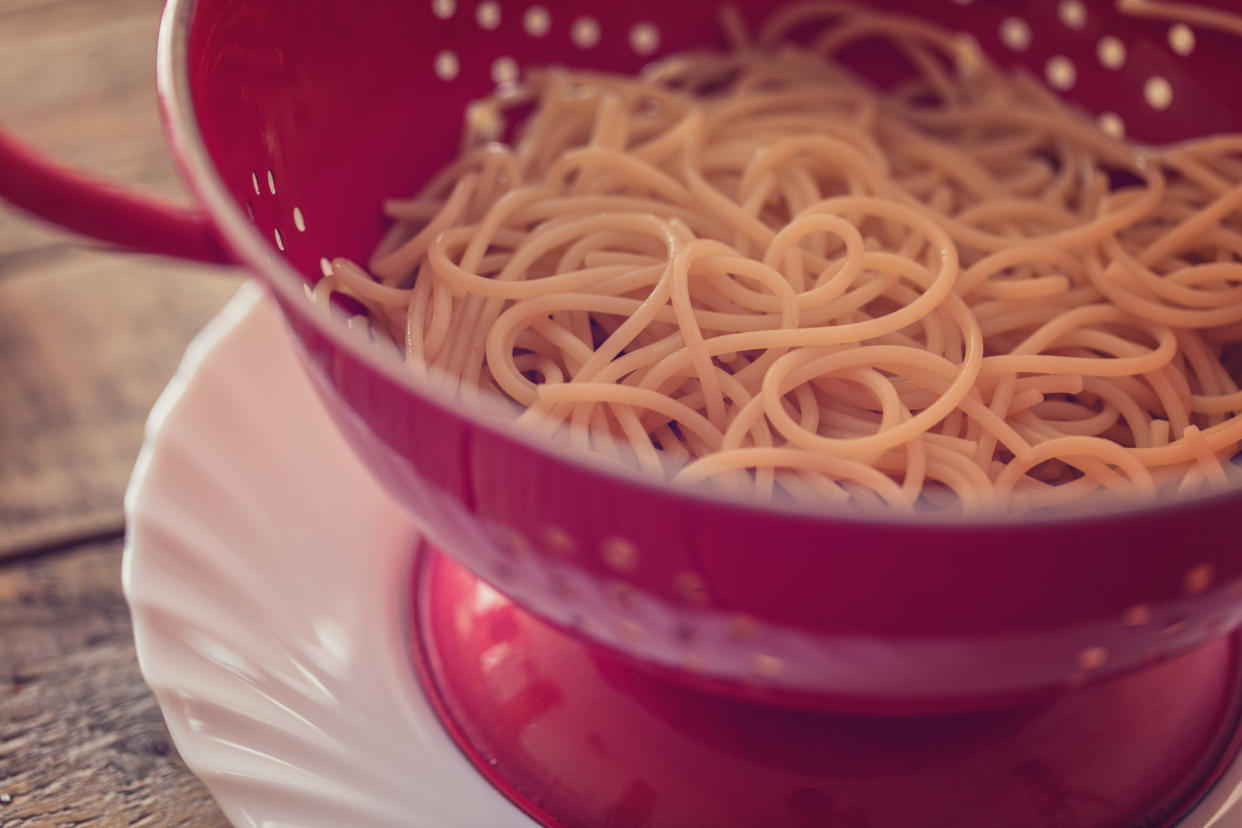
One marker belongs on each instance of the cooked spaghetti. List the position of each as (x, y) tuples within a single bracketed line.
[(755, 270)]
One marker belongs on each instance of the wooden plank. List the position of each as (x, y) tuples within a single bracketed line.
[(77, 82), (87, 341), (87, 338), (82, 741)]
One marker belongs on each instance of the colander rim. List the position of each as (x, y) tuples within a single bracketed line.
[(243, 237)]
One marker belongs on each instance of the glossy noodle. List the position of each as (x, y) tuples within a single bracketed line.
[(754, 271)]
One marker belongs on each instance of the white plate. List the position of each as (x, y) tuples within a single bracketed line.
[(266, 572)]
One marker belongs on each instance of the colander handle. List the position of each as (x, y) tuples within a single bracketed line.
[(104, 211)]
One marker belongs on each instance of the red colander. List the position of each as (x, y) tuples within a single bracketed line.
[(292, 121)]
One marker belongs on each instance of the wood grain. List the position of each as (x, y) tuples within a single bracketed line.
[(77, 82), (81, 739), (87, 341), (88, 338)]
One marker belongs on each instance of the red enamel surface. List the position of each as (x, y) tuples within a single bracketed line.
[(103, 212), (340, 102), (578, 738)]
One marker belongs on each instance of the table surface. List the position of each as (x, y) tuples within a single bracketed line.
[(88, 338)]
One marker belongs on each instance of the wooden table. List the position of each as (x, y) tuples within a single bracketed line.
[(88, 337)]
